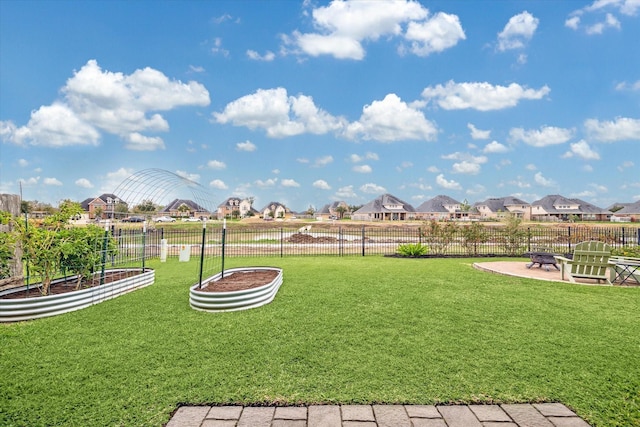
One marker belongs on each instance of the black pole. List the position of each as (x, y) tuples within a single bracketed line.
[(204, 237), (363, 240), (104, 253), (144, 243), (224, 238)]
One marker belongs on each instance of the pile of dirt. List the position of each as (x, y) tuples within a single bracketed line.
[(65, 286), (240, 280), (307, 238)]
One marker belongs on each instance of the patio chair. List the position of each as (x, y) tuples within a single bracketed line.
[(590, 261)]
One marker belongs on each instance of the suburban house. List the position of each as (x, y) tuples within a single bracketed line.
[(385, 208), (105, 206), (235, 207), (440, 208), (274, 210), (497, 208), (630, 212), (556, 207), (335, 210), (184, 208)]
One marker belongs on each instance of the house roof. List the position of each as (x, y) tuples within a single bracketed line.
[(378, 205), (176, 203), (276, 205), (550, 202), (326, 209), (229, 200), (631, 208), (436, 204), (495, 204)]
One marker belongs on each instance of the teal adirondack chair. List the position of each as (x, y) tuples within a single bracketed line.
[(590, 261)]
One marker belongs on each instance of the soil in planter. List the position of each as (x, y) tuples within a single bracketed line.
[(240, 280), (70, 285)]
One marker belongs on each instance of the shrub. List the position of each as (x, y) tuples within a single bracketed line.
[(412, 249), (633, 252)]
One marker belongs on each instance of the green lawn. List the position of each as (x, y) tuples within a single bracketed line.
[(340, 330)]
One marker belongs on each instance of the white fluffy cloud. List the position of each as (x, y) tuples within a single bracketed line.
[(620, 129), (289, 183), (246, 146), (541, 180), (478, 133), (343, 27), (346, 193), (466, 163), (52, 181), (591, 16), (218, 184), (391, 120), (96, 100), (84, 183), (278, 114), (267, 57), (583, 150), (438, 33), (362, 169), (216, 165), (547, 135), (371, 188), (519, 30), (321, 184), (446, 184), (495, 147), (480, 96)]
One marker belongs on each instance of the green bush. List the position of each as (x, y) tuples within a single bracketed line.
[(412, 249), (633, 252)]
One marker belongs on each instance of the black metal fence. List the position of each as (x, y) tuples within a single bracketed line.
[(349, 241)]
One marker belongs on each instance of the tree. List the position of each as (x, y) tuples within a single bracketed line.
[(42, 244), (472, 236), (514, 236), (146, 205), (341, 210), (81, 250), (310, 210), (439, 236)]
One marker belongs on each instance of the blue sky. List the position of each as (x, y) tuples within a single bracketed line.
[(305, 103)]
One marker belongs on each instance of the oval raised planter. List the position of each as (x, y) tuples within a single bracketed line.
[(13, 310), (235, 300)]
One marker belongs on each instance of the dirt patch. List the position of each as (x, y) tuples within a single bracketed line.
[(240, 280), (307, 238), (70, 285)]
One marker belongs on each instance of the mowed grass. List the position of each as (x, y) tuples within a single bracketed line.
[(340, 330)]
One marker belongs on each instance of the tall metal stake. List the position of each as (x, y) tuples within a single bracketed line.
[(104, 251), (144, 242), (204, 237), (224, 236)]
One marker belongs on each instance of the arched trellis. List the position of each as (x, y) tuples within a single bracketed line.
[(161, 187)]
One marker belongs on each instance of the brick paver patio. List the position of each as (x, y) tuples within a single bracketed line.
[(508, 415)]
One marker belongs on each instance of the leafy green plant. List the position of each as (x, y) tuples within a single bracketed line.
[(43, 243), (633, 252), (439, 237), (81, 250), (514, 236), (473, 236), (412, 249)]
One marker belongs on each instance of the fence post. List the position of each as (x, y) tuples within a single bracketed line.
[(281, 242), (569, 238), (104, 252), (204, 239), (363, 240), (340, 242), (144, 242), (529, 239)]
